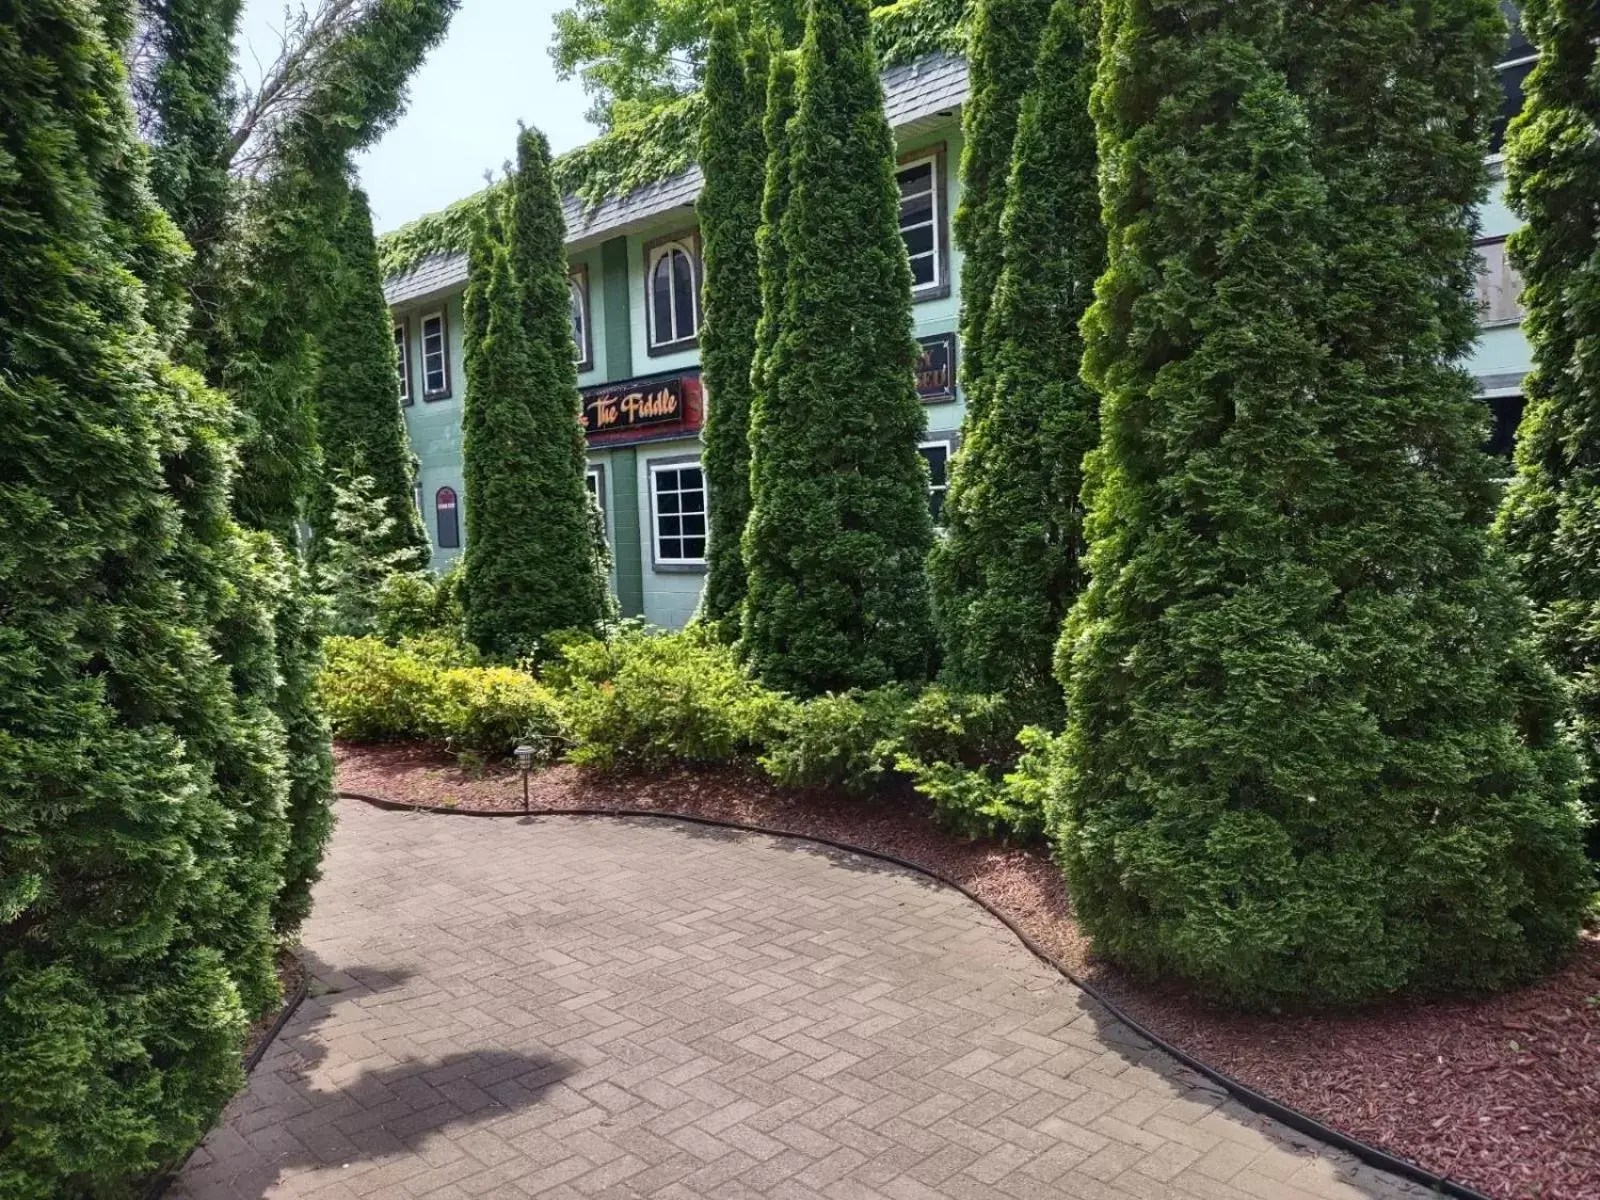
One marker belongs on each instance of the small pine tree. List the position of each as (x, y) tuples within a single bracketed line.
[(1002, 48), (1551, 516), (360, 428), (839, 526), (359, 556), (530, 566), (733, 156), (1307, 755), (1006, 569)]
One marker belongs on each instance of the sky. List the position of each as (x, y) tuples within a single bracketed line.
[(492, 69)]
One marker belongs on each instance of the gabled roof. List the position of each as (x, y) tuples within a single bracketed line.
[(929, 88)]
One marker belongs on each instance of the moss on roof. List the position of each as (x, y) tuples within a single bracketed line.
[(656, 148)]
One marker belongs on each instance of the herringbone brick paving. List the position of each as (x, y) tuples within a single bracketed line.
[(583, 1008)]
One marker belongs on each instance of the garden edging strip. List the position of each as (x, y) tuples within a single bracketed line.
[(1255, 1101), (158, 1187)]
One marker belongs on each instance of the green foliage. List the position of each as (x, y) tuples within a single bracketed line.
[(141, 778), (771, 265), (427, 689), (636, 55), (733, 155), (419, 603), (981, 802), (839, 525), (1003, 45), (360, 429), (846, 740), (652, 700), (530, 565), (358, 559), (1006, 568), (1550, 521), (648, 144), (1309, 756), (192, 99)]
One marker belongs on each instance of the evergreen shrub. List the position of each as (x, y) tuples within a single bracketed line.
[(653, 700), (421, 690), (845, 740), (414, 603), (985, 801)]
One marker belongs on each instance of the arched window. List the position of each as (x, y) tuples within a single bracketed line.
[(674, 294), (444, 507)]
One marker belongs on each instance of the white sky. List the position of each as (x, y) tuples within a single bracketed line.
[(492, 68)]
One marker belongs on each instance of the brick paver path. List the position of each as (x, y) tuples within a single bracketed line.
[(594, 1008)]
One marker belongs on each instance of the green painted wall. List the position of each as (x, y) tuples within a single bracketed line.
[(617, 325)]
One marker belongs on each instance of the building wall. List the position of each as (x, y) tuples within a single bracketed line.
[(667, 595), (434, 425)]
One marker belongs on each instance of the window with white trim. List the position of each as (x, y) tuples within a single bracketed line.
[(578, 299), (402, 360), (678, 513), (1505, 415), (435, 357), (591, 480), (672, 293), (922, 222), (447, 518), (937, 456)]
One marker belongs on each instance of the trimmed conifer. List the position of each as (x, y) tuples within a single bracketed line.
[(360, 428), (1308, 755), (771, 263), (1007, 567), (530, 566), (1002, 49), (733, 156), (839, 527), (1552, 511), (140, 792)]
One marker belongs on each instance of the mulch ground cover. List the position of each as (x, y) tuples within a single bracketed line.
[(1500, 1094)]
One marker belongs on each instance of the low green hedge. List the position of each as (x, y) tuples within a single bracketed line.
[(646, 699), (376, 692)]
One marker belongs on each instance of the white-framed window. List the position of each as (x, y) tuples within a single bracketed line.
[(937, 456), (672, 292), (578, 298), (447, 518), (402, 360), (597, 491), (1499, 285), (678, 513), (435, 357), (1505, 417), (922, 222)]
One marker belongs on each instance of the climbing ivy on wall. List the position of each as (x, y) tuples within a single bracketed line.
[(663, 144)]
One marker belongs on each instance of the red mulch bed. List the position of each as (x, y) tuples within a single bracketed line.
[(1501, 1094)]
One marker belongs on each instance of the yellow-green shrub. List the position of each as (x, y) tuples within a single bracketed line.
[(644, 699), (376, 692)]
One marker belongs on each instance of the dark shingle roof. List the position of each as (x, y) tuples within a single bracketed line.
[(913, 93)]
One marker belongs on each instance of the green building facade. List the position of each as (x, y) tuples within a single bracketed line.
[(635, 297)]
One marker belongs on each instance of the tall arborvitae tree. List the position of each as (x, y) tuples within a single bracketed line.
[(360, 428), (1007, 568), (1308, 755), (192, 103), (733, 155), (1551, 518), (1002, 48), (839, 526), (771, 264), (530, 567), (273, 291), (141, 789)]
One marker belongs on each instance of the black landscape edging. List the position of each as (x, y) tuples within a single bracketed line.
[(1255, 1101), (159, 1185)]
